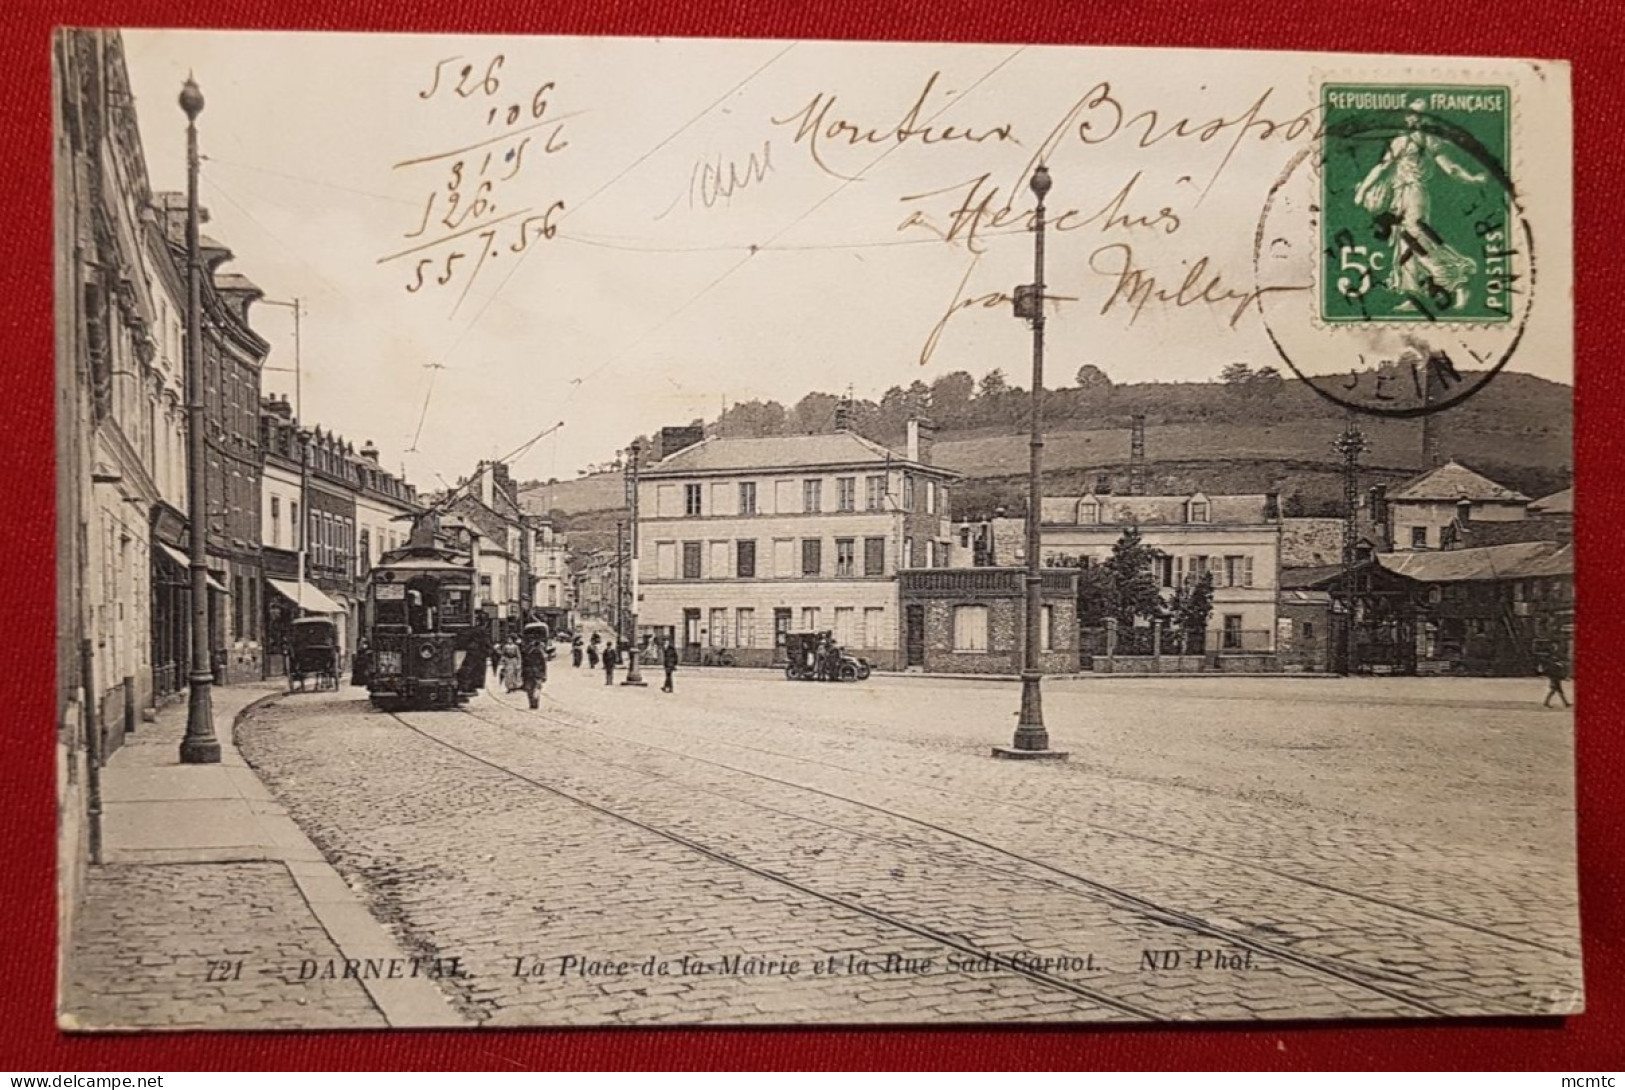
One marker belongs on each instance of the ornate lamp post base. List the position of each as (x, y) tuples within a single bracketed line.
[(1031, 742), (1011, 753), (201, 746)]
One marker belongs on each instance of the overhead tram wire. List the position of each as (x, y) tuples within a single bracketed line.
[(513, 455), (754, 250)]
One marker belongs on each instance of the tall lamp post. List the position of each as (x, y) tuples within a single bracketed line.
[(634, 673), (200, 746), (1032, 740)]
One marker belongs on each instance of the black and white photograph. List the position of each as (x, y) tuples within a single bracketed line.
[(563, 531)]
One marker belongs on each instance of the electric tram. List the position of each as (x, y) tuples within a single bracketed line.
[(421, 626)]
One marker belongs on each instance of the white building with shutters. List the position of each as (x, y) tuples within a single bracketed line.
[(741, 541), (1235, 537)]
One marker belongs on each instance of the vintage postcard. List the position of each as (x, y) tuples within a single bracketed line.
[(809, 533)]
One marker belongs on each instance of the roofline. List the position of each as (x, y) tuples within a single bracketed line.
[(654, 472), (1154, 525)]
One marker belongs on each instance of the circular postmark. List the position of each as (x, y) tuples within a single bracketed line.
[(1395, 267)]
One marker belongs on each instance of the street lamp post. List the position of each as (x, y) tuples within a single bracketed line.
[(1032, 740), (634, 673), (200, 746)]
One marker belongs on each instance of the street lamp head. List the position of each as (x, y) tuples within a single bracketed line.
[(1041, 182), (191, 98)]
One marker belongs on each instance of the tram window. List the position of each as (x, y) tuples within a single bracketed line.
[(455, 606), (420, 609)]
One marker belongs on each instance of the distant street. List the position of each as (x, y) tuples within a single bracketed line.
[(757, 850)]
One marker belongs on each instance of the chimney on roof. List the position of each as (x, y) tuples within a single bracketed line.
[(1103, 484), (922, 436), (502, 481), (1464, 509), (1272, 506), (369, 452), (1136, 455)]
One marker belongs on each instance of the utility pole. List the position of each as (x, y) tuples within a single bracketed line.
[(1032, 740), (1349, 446), (634, 675), (617, 619), (201, 745)]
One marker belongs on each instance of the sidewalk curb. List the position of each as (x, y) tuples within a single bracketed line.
[(410, 1002)]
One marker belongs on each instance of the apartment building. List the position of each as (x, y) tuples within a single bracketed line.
[(743, 540)]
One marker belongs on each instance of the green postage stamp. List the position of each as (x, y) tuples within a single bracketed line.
[(1416, 200)]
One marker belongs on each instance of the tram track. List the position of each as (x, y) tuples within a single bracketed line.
[(1126, 834), (1386, 983)]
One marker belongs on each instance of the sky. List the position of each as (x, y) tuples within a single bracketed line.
[(669, 226)]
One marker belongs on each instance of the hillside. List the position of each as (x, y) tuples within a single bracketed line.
[(1209, 436)]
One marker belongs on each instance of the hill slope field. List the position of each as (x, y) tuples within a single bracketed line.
[(1517, 430)]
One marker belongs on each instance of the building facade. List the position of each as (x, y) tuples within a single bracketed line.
[(233, 355), (1419, 513), (1235, 538), (488, 504), (1490, 610), (111, 384), (972, 620), (742, 541), (549, 566)]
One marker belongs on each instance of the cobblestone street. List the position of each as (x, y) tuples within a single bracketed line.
[(750, 849), (162, 944)]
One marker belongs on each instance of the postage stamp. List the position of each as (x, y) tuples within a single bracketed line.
[(1416, 204)]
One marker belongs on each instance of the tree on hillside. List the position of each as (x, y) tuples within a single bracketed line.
[(750, 420), (813, 414), (1236, 374), (1269, 376), (1091, 379), (951, 398)]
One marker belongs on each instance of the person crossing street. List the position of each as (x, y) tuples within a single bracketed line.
[(1555, 674), (611, 658), (668, 661)]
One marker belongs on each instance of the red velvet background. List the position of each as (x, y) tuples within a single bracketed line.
[(1588, 34)]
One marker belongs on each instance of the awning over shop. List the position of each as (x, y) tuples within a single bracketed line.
[(185, 563), (314, 600)]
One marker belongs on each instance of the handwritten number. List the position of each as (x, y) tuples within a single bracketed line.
[(451, 261), (538, 101), (427, 208), (435, 86)]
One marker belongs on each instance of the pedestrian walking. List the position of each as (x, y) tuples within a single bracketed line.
[(668, 660), (512, 675), (611, 659), (575, 651), (361, 665), (533, 663), (592, 652), (1555, 675)]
